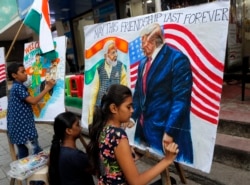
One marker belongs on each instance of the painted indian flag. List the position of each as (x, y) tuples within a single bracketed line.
[(38, 19), (96, 53)]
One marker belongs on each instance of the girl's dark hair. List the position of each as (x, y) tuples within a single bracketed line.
[(62, 122), (116, 94), (13, 68)]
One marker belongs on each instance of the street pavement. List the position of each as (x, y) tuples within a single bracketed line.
[(220, 174)]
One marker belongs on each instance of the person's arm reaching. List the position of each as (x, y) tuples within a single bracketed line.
[(34, 100), (126, 162)]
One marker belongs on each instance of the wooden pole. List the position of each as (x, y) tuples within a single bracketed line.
[(165, 177), (13, 41), (180, 172)]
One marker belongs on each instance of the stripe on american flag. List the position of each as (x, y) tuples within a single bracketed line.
[(135, 55), (206, 69), (207, 72), (133, 74), (2, 72)]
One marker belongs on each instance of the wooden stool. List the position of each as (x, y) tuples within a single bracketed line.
[(41, 175)]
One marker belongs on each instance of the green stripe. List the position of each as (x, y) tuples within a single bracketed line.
[(32, 20), (90, 74)]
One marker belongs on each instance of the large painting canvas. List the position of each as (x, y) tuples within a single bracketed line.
[(179, 99), (40, 68), (3, 91)]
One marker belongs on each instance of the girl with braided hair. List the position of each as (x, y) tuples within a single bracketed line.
[(67, 164), (109, 150)]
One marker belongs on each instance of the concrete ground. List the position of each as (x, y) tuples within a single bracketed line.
[(220, 174)]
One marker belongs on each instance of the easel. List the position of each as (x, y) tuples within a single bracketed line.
[(13, 157), (165, 175)]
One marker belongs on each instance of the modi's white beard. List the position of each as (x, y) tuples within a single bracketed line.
[(110, 62)]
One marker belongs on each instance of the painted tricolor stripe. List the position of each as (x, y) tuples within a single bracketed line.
[(38, 19), (207, 72), (121, 45)]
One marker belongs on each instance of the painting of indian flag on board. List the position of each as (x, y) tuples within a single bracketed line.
[(41, 68)]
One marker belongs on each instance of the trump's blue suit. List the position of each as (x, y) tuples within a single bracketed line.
[(166, 105)]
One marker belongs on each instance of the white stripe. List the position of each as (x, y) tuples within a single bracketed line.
[(203, 112), (198, 69), (45, 37), (210, 67), (204, 104), (2, 73), (196, 50), (2, 78), (206, 86), (205, 96), (133, 75), (37, 6), (2, 68), (133, 83), (134, 69), (202, 58)]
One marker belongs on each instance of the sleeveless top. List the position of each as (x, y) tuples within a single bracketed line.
[(111, 173)]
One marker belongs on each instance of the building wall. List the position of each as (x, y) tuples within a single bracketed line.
[(17, 50)]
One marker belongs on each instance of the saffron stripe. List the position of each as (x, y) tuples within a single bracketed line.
[(121, 44), (45, 11)]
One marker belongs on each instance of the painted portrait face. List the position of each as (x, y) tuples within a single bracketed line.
[(148, 46), (112, 53)]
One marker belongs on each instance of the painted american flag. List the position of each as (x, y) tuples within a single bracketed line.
[(206, 69), (2, 72), (135, 55)]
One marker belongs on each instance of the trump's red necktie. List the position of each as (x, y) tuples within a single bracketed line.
[(144, 81), (145, 75)]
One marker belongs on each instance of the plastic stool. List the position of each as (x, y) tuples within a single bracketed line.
[(67, 86), (76, 85), (41, 175)]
